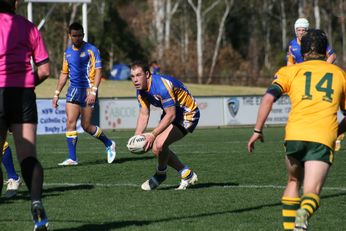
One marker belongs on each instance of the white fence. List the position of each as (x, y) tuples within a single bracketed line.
[(121, 113)]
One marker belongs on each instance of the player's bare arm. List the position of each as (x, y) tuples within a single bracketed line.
[(91, 97), (61, 83), (98, 74), (142, 120), (169, 117), (263, 112)]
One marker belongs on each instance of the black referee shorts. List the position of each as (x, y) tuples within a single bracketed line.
[(17, 106)]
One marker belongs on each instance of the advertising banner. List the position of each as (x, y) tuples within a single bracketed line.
[(211, 110), (52, 121), (123, 113), (242, 110)]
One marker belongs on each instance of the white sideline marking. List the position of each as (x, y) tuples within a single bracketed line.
[(167, 185)]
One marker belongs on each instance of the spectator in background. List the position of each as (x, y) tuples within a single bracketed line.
[(21, 42), (154, 67), (82, 64)]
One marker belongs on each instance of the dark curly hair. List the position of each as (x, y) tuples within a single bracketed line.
[(314, 44)]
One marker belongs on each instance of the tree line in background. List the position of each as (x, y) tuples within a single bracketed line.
[(198, 41)]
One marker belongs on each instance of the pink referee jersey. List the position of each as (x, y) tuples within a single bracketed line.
[(19, 41)]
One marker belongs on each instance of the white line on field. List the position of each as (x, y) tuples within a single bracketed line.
[(167, 185)]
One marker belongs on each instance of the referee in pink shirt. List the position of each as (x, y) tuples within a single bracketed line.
[(20, 41)]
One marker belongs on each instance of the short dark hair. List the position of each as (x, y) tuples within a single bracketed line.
[(75, 26), (141, 64), (314, 44)]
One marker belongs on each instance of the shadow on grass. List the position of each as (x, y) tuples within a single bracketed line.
[(67, 188), (134, 158), (202, 185), (47, 192), (103, 161), (123, 224), (5, 201)]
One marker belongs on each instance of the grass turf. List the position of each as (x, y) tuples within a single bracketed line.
[(236, 190)]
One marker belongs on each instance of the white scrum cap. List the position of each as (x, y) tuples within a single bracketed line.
[(301, 22)]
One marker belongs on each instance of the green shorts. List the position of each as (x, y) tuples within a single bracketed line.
[(305, 150)]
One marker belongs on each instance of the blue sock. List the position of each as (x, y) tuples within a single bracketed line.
[(98, 134), (7, 161), (71, 139)]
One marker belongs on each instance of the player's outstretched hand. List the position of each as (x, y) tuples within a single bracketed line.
[(252, 141)]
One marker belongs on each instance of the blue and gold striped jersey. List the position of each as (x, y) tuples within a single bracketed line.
[(80, 64), (294, 55), (166, 91)]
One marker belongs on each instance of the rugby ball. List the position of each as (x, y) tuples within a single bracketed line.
[(136, 144)]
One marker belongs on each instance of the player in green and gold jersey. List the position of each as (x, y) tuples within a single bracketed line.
[(317, 90)]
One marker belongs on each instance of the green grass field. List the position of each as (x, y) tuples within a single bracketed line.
[(235, 191)]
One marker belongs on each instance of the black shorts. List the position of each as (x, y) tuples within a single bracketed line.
[(17, 106), (181, 128)]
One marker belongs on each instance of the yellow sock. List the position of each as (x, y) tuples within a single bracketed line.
[(310, 202), (289, 211)]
